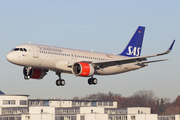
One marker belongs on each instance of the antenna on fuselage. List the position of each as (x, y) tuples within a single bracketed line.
[(92, 50), (30, 42)]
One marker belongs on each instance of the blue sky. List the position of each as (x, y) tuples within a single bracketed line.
[(104, 26)]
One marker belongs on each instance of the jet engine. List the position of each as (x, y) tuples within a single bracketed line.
[(82, 69), (34, 73)]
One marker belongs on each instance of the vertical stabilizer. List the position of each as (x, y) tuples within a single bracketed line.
[(133, 49), (1, 93)]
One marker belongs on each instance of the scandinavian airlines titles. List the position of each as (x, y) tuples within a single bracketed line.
[(135, 51)]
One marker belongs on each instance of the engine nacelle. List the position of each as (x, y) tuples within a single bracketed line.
[(82, 69), (35, 73)]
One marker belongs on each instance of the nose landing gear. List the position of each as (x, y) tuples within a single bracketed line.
[(27, 72)]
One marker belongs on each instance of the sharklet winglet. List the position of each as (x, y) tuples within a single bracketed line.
[(169, 50)]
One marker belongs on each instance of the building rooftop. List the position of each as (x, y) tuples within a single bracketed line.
[(57, 99), (13, 95)]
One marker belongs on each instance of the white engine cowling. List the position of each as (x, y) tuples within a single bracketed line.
[(35, 73), (82, 69)]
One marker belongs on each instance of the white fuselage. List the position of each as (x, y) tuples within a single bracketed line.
[(59, 59)]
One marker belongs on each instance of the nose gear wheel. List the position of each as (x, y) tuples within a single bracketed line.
[(26, 77)]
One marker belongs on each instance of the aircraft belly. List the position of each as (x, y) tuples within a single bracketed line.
[(47, 64), (63, 65)]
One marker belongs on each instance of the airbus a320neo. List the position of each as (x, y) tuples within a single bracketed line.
[(37, 60)]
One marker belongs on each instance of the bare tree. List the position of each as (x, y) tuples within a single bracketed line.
[(144, 97)]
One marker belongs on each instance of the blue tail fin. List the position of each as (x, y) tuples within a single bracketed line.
[(133, 49)]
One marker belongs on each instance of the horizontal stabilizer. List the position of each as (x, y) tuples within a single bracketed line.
[(155, 61)]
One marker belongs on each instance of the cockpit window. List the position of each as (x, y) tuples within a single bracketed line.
[(20, 49), (25, 49), (16, 49)]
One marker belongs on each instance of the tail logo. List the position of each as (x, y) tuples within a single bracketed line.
[(133, 48), (135, 51)]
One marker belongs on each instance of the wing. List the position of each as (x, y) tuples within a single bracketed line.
[(125, 60)]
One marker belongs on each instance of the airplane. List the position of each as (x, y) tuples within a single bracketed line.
[(37, 60)]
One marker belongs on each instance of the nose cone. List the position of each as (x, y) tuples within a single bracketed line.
[(9, 57)]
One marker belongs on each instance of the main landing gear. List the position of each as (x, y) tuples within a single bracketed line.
[(60, 82), (92, 81)]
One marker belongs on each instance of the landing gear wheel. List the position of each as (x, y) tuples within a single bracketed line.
[(62, 82), (58, 82), (92, 81), (26, 77)]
